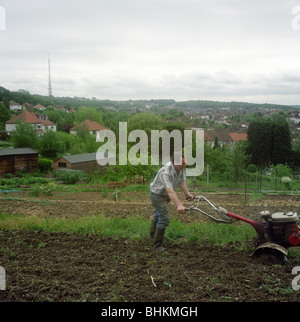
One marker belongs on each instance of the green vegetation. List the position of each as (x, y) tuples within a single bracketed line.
[(17, 182), (45, 165), (68, 177), (269, 142), (131, 228), (24, 136)]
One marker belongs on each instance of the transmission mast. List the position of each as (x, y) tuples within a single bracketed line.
[(49, 82)]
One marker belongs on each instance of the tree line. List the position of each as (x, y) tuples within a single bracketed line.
[(269, 140), (268, 145)]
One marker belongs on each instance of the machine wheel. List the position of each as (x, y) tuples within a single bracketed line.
[(272, 253)]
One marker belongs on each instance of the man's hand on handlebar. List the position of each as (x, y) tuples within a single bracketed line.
[(180, 209), (189, 197)]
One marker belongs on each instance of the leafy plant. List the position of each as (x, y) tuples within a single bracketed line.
[(45, 165), (46, 190), (36, 191), (116, 194), (68, 177), (287, 182)]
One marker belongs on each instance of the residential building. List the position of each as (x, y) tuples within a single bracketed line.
[(40, 124), (40, 107), (28, 107), (221, 137), (92, 126), (14, 106), (236, 137)]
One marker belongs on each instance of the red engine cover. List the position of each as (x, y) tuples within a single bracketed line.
[(294, 240)]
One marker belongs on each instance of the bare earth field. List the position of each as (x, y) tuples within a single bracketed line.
[(61, 267)]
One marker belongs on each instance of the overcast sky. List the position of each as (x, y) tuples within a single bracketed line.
[(225, 50)]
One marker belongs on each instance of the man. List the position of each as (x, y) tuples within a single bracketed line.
[(162, 190)]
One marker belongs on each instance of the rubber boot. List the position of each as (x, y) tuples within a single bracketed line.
[(152, 230), (158, 239)]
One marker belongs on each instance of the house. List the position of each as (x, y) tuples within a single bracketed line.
[(46, 123), (41, 125), (92, 126), (223, 138), (28, 107), (26, 117), (12, 160), (40, 107), (236, 137), (14, 106), (220, 137), (86, 163)]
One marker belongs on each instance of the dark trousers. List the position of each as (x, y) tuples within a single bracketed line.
[(161, 215)]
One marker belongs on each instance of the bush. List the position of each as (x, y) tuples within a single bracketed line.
[(46, 189), (45, 165), (252, 168), (68, 177), (20, 172), (283, 170), (287, 182), (50, 146), (8, 175)]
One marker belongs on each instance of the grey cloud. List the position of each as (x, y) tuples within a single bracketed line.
[(152, 48)]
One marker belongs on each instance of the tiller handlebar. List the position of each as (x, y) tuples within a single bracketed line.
[(221, 212), (227, 217)]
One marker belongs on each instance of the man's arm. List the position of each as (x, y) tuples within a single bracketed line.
[(173, 196), (185, 189)]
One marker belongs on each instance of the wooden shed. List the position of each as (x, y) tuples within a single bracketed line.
[(12, 160), (86, 163)]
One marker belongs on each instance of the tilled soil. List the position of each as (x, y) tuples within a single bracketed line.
[(74, 205), (60, 267)]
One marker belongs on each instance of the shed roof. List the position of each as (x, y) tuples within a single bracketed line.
[(17, 151), (86, 157)]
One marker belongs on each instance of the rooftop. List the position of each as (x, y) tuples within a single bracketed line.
[(86, 157), (26, 117), (90, 125), (10, 151)]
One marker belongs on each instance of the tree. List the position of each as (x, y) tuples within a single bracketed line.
[(144, 121), (219, 161), (50, 146), (295, 154), (296, 145), (4, 116), (24, 136), (269, 140), (281, 144), (84, 113), (259, 137), (238, 159)]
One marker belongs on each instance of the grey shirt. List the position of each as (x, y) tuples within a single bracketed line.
[(166, 177)]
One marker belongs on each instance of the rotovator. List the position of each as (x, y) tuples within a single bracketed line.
[(276, 232)]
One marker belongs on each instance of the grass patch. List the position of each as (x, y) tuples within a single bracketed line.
[(211, 232), (134, 228)]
